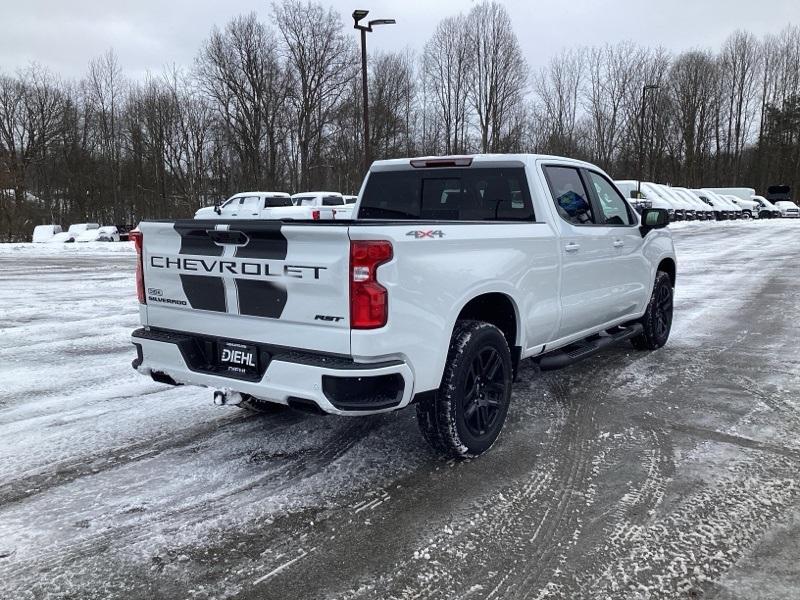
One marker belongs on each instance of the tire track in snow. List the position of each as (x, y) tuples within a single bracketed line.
[(59, 555), (501, 525), (66, 471), (700, 538)]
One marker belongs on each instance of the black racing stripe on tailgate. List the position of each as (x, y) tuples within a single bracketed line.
[(195, 240), (265, 241), (261, 298), (204, 293)]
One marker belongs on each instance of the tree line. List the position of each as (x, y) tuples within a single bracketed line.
[(276, 104)]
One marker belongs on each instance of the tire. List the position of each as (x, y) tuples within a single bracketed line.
[(657, 319), (464, 417), (261, 406)]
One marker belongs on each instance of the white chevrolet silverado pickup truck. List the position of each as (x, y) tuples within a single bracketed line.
[(452, 271)]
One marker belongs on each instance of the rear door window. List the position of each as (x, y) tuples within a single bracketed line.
[(276, 201), (467, 194), (569, 195)]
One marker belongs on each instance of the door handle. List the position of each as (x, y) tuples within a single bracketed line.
[(572, 247), (618, 243)]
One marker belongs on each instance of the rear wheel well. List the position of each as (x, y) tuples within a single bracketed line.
[(668, 266), (497, 309)]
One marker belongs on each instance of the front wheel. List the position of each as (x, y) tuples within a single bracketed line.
[(657, 319), (466, 414)]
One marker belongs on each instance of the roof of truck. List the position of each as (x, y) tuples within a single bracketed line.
[(316, 194), (477, 159), (273, 194)]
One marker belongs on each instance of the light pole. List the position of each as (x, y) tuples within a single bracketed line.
[(645, 88), (359, 15)]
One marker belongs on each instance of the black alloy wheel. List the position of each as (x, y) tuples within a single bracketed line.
[(657, 319), (663, 311), (484, 390)]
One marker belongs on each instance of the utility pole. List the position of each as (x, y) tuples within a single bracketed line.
[(650, 86), (365, 101), (359, 15)]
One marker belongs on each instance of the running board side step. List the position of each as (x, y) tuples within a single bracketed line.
[(558, 359)]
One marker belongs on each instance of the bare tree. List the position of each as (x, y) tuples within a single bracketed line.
[(322, 63), (692, 87), (497, 74), (611, 88), (392, 90), (106, 88), (446, 61), (557, 88), (239, 70), (740, 62), (31, 111)]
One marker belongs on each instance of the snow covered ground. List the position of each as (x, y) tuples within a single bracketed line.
[(631, 475)]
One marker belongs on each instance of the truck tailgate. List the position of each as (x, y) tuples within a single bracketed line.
[(260, 281)]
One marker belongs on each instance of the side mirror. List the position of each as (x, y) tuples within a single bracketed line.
[(653, 218)]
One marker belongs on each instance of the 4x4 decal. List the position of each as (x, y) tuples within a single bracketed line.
[(426, 233)]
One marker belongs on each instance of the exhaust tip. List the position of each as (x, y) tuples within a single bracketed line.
[(226, 397)]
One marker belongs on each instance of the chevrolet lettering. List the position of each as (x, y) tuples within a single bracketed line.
[(231, 267)]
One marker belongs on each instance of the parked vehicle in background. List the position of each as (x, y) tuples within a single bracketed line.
[(788, 209), (350, 199), (648, 194), (108, 233), (734, 209), (742, 197), (78, 228), (702, 210), (322, 205), (318, 199), (248, 205), (749, 207), (366, 316), (635, 195), (64, 237), (721, 209), (42, 233), (766, 209), (778, 193), (686, 207)]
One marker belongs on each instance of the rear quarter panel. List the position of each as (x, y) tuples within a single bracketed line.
[(431, 278)]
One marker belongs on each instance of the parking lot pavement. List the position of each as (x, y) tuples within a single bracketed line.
[(631, 475)]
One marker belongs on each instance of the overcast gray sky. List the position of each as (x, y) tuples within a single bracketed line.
[(149, 34)]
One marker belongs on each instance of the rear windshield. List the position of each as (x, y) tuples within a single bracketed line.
[(332, 201), (470, 194), (271, 202)]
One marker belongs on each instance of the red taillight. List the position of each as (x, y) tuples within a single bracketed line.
[(315, 215), (137, 239), (369, 303)]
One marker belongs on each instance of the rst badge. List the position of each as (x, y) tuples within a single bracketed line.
[(426, 233)]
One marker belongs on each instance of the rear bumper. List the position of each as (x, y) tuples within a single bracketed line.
[(336, 385)]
